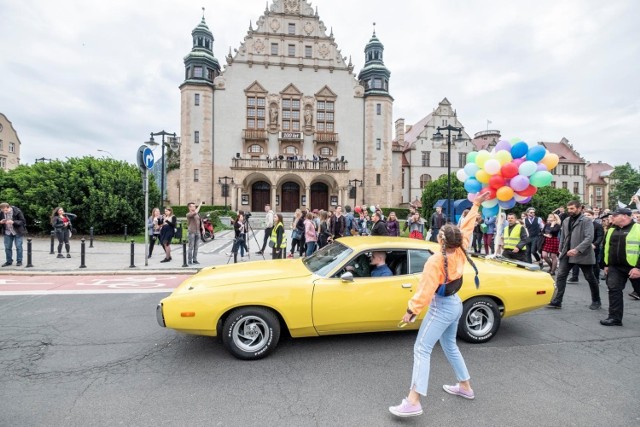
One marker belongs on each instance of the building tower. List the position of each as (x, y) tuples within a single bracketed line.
[(378, 133), (196, 127)]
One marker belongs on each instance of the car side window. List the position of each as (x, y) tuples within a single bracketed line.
[(358, 266), (397, 262), (417, 259)]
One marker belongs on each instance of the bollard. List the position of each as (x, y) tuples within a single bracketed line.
[(184, 253), (29, 254), (82, 253), (53, 237), (91, 237), (133, 247), (125, 232)]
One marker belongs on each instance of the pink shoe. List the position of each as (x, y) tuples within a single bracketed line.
[(406, 409), (459, 391), (290, 256)]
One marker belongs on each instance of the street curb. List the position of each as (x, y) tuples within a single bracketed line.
[(83, 272)]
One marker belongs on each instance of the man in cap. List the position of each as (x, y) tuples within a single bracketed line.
[(622, 262)]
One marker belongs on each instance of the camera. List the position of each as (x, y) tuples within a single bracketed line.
[(247, 215)]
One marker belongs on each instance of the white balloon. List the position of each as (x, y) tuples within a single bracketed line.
[(461, 175)]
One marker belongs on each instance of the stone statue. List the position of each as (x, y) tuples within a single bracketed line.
[(308, 117), (273, 115)]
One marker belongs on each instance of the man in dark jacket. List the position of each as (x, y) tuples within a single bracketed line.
[(576, 242), (598, 238), (533, 224), (13, 227), (379, 226), (437, 221)]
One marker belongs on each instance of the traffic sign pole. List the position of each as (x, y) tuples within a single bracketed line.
[(146, 161)]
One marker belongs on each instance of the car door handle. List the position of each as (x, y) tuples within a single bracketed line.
[(406, 285)]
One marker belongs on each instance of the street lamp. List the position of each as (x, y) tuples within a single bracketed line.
[(225, 187), (174, 144), (105, 151), (438, 137), (356, 183)]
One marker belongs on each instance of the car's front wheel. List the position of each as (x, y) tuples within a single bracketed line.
[(251, 333), (480, 320)]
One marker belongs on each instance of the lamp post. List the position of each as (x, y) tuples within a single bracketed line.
[(438, 137), (105, 151), (224, 182), (356, 183), (174, 144)]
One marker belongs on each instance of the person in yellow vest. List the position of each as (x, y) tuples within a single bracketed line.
[(278, 238), (515, 239), (622, 263)]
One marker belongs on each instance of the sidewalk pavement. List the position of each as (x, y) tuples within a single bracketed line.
[(115, 258)]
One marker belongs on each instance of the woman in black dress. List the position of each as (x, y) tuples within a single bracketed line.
[(168, 230), (551, 245)]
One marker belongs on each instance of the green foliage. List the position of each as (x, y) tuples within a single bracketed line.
[(545, 201), (627, 182), (181, 211), (401, 213), (436, 190), (104, 193)]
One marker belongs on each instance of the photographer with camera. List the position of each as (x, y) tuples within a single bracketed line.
[(194, 225)]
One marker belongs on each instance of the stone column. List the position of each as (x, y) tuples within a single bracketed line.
[(308, 194), (273, 198)]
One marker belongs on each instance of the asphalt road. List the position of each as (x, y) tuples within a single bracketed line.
[(102, 360)]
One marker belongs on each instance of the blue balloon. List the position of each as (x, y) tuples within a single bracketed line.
[(519, 149), (472, 185), (471, 168), (508, 204), (492, 211), (536, 153)]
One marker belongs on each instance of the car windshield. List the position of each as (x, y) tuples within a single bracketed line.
[(327, 258)]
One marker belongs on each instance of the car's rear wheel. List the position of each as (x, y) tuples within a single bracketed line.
[(251, 333), (480, 320)]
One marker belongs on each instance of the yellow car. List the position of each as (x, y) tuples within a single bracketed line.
[(331, 292)]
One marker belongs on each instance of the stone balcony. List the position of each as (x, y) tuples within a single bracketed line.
[(325, 137), (286, 164)]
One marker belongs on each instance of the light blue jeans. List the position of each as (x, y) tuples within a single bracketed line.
[(440, 323), (311, 248), (9, 241)]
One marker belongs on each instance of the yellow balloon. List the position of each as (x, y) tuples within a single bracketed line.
[(503, 157), (504, 193), (483, 176), (482, 157), (550, 160)]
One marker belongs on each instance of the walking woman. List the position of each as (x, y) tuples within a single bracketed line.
[(323, 232), (551, 246), (239, 241), (297, 232), (278, 239), (62, 227), (153, 224), (440, 281), (393, 227), (310, 234), (167, 232)]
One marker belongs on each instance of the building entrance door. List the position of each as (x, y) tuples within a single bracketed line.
[(260, 195), (319, 196), (290, 197)]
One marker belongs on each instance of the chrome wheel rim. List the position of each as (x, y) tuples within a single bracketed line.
[(480, 321), (251, 333)]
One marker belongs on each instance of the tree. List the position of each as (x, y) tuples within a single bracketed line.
[(104, 193), (626, 181), (436, 190), (545, 201)]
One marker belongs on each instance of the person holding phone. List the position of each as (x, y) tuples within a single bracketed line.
[(167, 232), (194, 226), (441, 279)]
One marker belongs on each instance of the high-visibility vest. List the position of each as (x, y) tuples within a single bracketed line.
[(632, 247), (512, 239), (274, 237)]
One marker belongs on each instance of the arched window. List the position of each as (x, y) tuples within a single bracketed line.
[(424, 180), (291, 150), (326, 151), (255, 148)]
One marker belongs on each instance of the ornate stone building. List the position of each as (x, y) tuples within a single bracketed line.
[(287, 121), (570, 173), (421, 159), (9, 145)]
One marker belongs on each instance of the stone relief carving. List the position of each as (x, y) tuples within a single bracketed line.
[(258, 46), (323, 50), (291, 6), (308, 28), (275, 25)]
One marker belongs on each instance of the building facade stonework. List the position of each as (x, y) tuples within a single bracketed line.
[(286, 122), (9, 145)]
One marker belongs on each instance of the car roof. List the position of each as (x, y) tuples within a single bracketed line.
[(363, 243)]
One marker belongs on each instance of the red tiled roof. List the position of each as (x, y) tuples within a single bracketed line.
[(564, 151), (412, 134), (594, 172)]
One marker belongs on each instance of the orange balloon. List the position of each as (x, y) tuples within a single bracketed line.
[(504, 193), (550, 160)]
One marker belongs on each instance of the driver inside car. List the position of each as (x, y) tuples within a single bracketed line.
[(359, 266), (379, 265)]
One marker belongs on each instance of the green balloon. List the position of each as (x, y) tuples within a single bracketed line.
[(471, 157), (541, 179)]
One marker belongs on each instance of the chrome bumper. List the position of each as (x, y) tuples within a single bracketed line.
[(160, 316)]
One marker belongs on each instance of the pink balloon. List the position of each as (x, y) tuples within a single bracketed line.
[(472, 196), (519, 182), (519, 161)]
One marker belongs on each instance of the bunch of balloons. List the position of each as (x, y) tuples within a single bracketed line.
[(512, 172)]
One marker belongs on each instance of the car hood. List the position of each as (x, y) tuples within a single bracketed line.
[(244, 273)]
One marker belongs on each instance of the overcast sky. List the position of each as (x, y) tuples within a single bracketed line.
[(80, 76)]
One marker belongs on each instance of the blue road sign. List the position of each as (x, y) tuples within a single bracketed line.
[(147, 156)]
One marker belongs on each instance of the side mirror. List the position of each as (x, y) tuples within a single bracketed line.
[(347, 277)]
